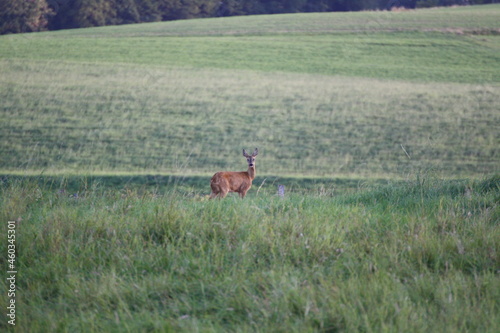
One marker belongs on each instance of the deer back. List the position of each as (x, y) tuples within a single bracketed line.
[(230, 181)]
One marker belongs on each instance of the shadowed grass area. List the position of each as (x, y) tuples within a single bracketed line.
[(192, 186)]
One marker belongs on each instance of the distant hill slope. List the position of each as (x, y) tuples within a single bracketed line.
[(352, 94)]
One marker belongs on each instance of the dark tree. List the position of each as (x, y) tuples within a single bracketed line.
[(24, 16)]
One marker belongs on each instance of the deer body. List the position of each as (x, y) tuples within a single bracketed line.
[(230, 181)]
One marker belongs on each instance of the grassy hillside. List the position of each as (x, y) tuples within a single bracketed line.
[(375, 94), (417, 257)]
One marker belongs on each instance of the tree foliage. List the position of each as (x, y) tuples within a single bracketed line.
[(36, 15), (24, 16)]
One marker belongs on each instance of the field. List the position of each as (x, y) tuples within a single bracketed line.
[(372, 95), (384, 127)]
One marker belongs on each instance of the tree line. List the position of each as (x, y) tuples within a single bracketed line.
[(18, 16)]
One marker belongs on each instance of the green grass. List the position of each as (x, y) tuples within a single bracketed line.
[(418, 256), (95, 118), (376, 122), (406, 56), (333, 94)]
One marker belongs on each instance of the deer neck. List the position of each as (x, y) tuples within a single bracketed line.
[(251, 172)]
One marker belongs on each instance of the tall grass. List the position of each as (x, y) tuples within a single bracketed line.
[(418, 257)]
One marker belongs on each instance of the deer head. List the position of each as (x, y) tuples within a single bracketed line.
[(250, 158)]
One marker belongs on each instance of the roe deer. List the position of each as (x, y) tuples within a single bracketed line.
[(230, 181)]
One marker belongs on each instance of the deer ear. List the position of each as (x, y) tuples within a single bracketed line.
[(255, 152), (245, 153)]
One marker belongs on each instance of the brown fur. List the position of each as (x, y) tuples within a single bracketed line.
[(230, 181)]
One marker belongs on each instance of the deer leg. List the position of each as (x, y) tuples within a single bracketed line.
[(216, 189)]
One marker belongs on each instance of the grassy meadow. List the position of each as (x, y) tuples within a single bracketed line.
[(384, 127), (415, 257)]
